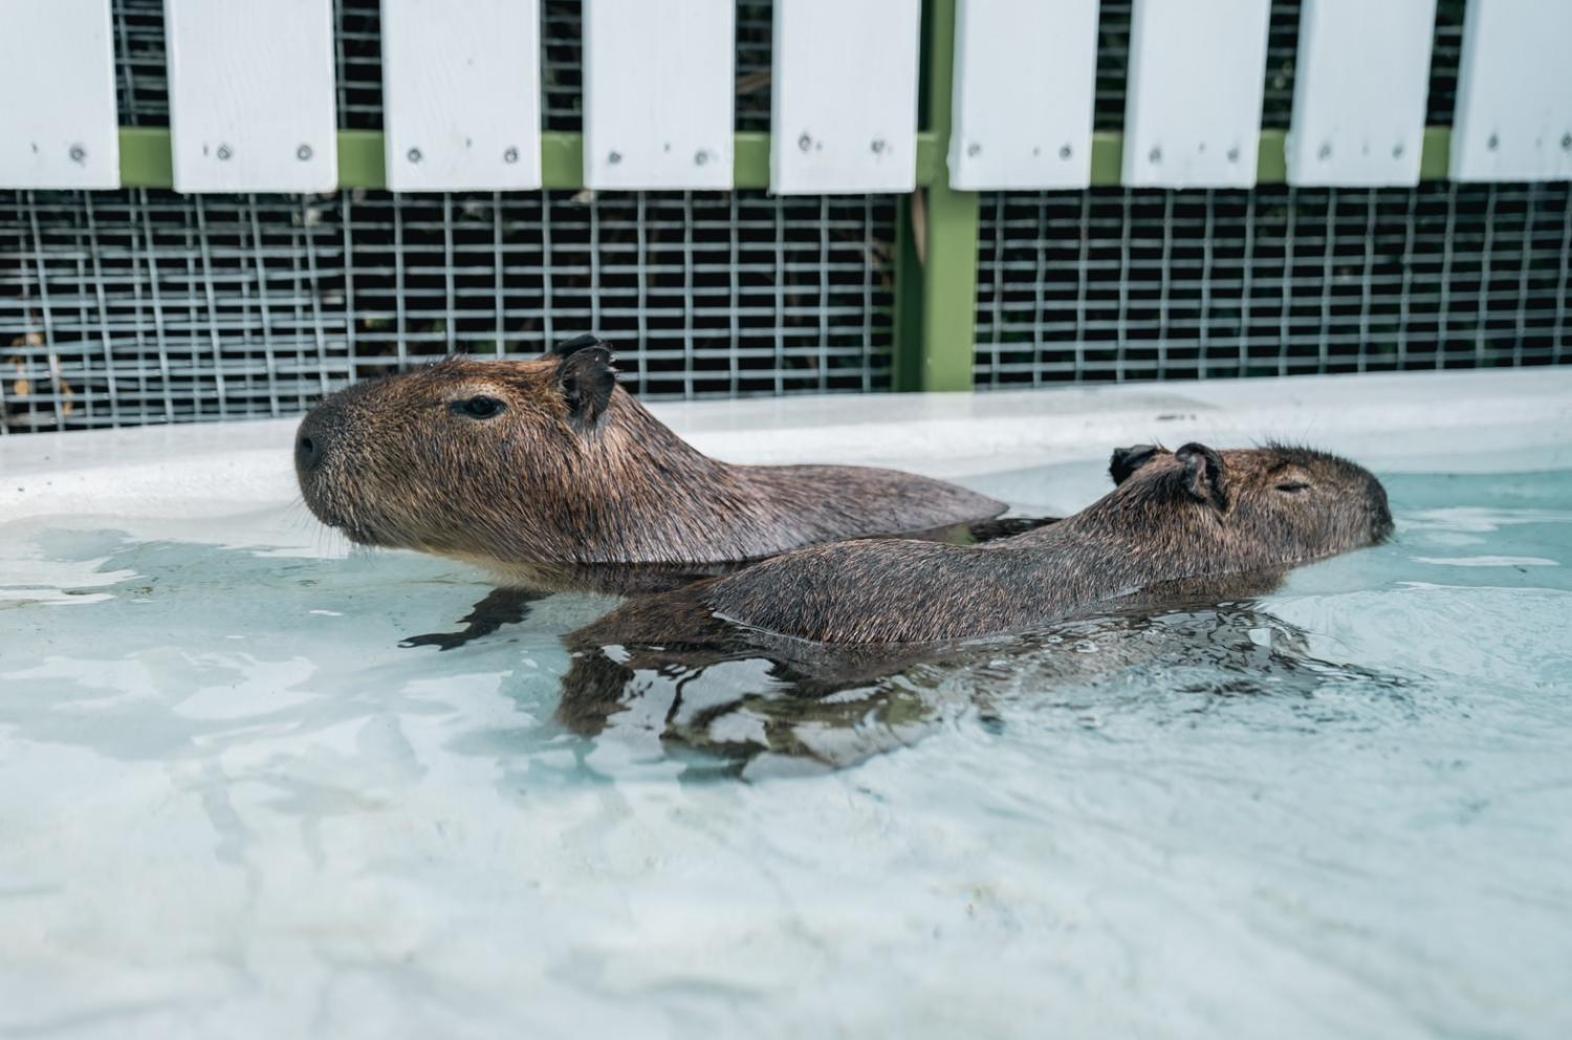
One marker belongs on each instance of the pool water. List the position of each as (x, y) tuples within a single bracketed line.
[(233, 804)]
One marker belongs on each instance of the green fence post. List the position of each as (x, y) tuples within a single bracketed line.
[(936, 240)]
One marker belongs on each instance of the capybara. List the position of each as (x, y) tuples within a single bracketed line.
[(1178, 524), (516, 464)]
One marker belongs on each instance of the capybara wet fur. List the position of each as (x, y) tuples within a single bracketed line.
[(1193, 522), (548, 461)]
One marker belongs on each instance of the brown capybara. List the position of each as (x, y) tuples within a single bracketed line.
[(1178, 524), (515, 464)]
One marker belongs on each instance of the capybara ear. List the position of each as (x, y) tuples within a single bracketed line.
[(576, 344), (587, 379), (1204, 478), (1125, 461)]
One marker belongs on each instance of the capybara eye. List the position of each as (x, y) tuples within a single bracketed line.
[(480, 407), (1293, 487)]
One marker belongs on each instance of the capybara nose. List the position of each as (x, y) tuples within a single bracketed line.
[(309, 445)]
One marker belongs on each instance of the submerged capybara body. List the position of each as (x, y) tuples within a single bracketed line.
[(548, 462), (1181, 524)]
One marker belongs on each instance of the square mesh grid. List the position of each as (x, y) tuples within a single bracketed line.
[(357, 54), (1282, 54), (142, 74), (1113, 64), (122, 308), (1446, 55), (562, 64), (143, 87), (1117, 284), (142, 79)]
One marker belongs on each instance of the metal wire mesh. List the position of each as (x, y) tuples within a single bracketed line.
[(562, 65), (1113, 64), (357, 54), (1446, 54), (142, 79), (1120, 284), (141, 75), (1282, 54), (130, 307), (143, 87), (755, 52), (134, 307)]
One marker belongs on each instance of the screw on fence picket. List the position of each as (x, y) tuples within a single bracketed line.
[(805, 143), (303, 153), (78, 154), (510, 156), (878, 145), (614, 158), (224, 153), (1065, 151), (413, 155)]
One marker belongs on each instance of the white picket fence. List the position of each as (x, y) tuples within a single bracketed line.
[(252, 94)]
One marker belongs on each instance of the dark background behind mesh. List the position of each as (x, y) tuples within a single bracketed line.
[(146, 306), (1117, 284)]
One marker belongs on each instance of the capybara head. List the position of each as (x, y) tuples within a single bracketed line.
[(442, 458), (1273, 505)]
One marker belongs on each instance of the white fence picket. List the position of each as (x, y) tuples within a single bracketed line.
[(57, 125), (1359, 92), (844, 104), (1193, 104), (659, 83), (1025, 79), (251, 104), (461, 94), (1514, 92)]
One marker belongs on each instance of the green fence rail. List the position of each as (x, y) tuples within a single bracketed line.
[(936, 248)]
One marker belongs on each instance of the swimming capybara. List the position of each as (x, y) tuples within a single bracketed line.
[(513, 464), (1195, 522)]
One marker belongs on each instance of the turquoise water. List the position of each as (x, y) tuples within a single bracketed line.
[(233, 804)]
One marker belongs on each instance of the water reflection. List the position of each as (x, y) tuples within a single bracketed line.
[(708, 686), (169, 651)]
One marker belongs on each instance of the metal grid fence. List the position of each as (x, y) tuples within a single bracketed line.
[(120, 308), (1282, 55), (1119, 284), (144, 88), (143, 84), (142, 80), (131, 307)]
